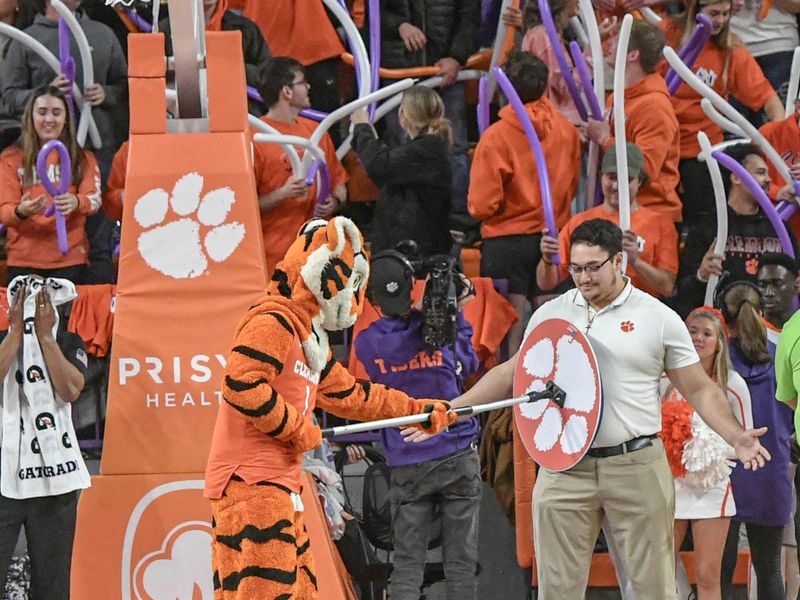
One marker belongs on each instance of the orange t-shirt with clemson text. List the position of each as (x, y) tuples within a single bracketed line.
[(744, 80), (280, 224), (656, 233)]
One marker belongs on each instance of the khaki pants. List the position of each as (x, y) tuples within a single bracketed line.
[(635, 493)]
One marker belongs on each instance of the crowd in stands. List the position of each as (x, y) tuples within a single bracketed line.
[(424, 174)]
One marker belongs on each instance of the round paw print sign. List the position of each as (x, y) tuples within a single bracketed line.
[(558, 437)]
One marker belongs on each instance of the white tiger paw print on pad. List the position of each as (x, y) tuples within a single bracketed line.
[(563, 426), (180, 248)]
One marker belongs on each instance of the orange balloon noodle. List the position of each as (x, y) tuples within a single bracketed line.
[(173, 331), (479, 60)]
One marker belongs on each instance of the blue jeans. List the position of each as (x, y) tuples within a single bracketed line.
[(453, 485)]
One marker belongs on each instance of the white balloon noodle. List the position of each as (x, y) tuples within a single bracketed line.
[(721, 204), (388, 105), (723, 123), (88, 70), (356, 44), (623, 191), (291, 153), (345, 110), (728, 111), (596, 49), (794, 79), (650, 15)]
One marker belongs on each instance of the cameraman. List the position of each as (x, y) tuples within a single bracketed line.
[(441, 472)]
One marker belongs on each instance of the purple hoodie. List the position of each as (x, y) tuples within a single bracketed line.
[(764, 497), (394, 354)]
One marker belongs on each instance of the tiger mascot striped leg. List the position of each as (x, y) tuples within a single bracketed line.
[(260, 547)]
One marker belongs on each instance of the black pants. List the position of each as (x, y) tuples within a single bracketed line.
[(765, 551), (50, 529)]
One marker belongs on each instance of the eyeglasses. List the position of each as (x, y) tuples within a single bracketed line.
[(304, 82), (590, 270)]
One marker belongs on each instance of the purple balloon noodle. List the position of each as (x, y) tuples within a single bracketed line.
[(312, 171), (116, 250), (786, 210), (563, 63), (324, 191), (691, 45), (50, 187), (586, 79), (3, 229), (598, 188), (374, 8), (140, 23), (311, 113), (538, 154), (253, 94), (761, 197), (483, 105), (698, 40)]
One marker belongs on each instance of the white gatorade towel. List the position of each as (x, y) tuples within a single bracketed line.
[(39, 449)]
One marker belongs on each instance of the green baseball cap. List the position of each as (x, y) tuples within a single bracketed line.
[(635, 160)]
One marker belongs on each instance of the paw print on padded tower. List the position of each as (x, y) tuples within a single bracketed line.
[(180, 248)]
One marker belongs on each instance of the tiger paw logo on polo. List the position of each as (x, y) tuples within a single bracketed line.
[(181, 247), (627, 326)]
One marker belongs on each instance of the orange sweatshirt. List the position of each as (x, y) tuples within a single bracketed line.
[(504, 185), (744, 80), (112, 197), (281, 223), (32, 242), (650, 123), (296, 28)]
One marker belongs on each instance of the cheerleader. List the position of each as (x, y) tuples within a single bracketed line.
[(699, 458)]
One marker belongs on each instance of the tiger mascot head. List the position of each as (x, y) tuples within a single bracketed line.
[(322, 279)]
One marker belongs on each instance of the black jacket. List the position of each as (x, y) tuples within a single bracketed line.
[(450, 26), (415, 188)]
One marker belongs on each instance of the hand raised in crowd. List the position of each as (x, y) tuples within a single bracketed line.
[(95, 94), (786, 193), (607, 27), (357, 117), (749, 450), (448, 69), (711, 265), (62, 83), (630, 244), (66, 204), (512, 17), (16, 320), (549, 247), (412, 37), (45, 318), (31, 206), (794, 168), (598, 131)]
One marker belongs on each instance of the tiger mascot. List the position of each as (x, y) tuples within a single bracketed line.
[(280, 367)]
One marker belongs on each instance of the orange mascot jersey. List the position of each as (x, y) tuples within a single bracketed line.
[(279, 367)]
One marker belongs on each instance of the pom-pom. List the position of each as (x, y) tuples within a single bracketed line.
[(706, 456), (676, 429)]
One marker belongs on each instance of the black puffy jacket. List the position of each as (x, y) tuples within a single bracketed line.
[(450, 26)]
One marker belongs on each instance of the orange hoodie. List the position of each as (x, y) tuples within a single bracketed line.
[(296, 28), (32, 242), (504, 185), (744, 80), (650, 123)]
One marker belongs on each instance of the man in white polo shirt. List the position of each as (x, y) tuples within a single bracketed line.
[(625, 477)]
